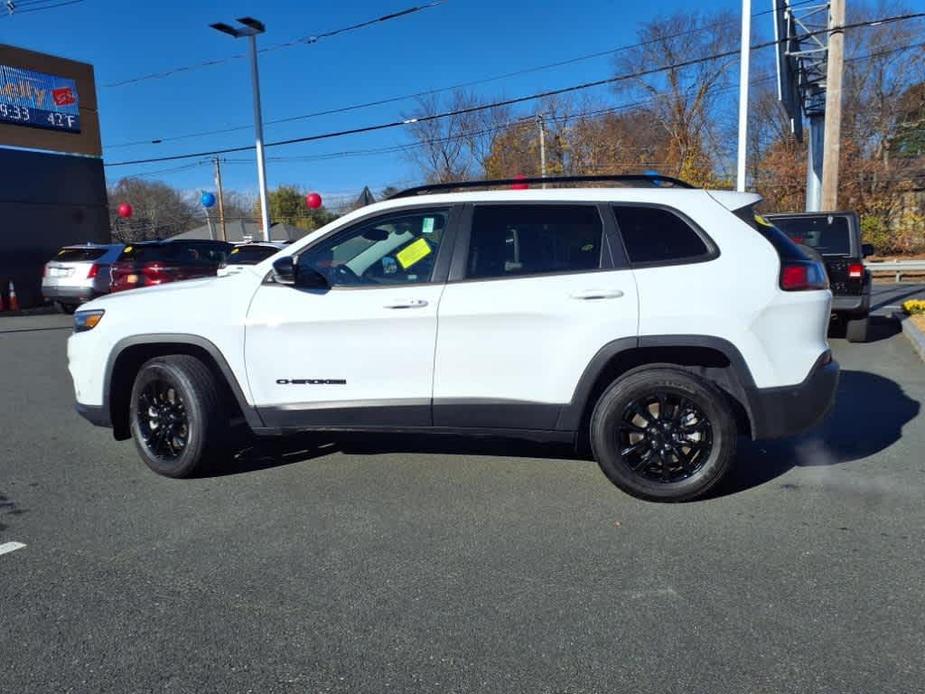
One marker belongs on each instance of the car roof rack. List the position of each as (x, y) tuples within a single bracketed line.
[(650, 179)]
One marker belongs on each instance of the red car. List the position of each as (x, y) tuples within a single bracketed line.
[(157, 262)]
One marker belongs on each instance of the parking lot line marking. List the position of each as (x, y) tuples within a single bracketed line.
[(8, 547)]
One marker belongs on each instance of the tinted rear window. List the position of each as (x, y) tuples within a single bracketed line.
[(656, 235), (76, 255), (177, 252), (828, 234), (250, 255)]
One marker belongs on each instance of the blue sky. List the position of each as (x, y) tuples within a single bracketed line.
[(457, 41)]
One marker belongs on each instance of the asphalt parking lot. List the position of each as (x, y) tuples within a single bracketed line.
[(395, 564)]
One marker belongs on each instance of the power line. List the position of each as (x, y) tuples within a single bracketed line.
[(506, 102), (301, 41), (428, 92), (30, 8)]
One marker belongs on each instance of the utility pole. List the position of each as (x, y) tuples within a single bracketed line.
[(745, 55), (542, 125), (250, 28), (833, 88), (221, 197)]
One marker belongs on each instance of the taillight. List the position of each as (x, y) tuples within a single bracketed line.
[(154, 273), (94, 269), (803, 275), (855, 271)]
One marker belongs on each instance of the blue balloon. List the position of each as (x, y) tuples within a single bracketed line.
[(207, 199)]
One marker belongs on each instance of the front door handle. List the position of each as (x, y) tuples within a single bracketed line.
[(409, 303), (593, 294)]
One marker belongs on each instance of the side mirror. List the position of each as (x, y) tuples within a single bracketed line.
[(309, 278), (867, 249), (284, 270)]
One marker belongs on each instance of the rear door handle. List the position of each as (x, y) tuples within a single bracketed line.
[(410, 303), (593, 294)]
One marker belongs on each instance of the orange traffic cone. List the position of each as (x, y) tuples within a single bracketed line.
[(14, 302)]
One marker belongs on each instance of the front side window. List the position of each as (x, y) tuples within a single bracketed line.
[(398, 249), (657, 235), (513, 240)]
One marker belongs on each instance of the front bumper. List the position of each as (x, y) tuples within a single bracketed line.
[(787, 411), (94, 414)]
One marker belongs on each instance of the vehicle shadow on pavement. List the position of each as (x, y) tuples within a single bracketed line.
[(881, 328), (868, 416), (260, 454)]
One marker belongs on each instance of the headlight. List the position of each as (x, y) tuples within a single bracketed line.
[(87, 320)]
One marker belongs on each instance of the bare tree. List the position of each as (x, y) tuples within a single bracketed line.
[(160, 211), (683, 97)]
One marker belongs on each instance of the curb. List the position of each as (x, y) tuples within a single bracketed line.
[(914, 334)]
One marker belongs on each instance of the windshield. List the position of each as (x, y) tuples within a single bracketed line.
[(76, 255), (250, 255), (177, 252), (828, 234)]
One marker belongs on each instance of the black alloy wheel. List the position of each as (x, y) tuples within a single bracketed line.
[(663, 434), (178, 415), (162, 419)]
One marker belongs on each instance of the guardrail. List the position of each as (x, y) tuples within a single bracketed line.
[(898, 267)]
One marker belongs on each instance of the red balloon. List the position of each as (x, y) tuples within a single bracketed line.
[(313, 200), (519, 186), (126, 210)]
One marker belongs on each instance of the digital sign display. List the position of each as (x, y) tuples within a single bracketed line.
[(38, 100)]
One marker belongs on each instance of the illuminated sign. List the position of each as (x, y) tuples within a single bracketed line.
[(38, 100)]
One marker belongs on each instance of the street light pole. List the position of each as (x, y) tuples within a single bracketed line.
[(250, 28), (745, 53)]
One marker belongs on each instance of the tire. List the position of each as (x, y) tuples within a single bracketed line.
[(181, 390), (697, 412), (65, 308), (857, 329)]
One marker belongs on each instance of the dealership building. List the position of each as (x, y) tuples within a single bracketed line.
[(52, 186)]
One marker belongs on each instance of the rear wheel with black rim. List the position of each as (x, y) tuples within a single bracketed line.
[(663, 434), (177, 417)]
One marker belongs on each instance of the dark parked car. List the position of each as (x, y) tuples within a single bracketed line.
[(157, 262), (836, 236)]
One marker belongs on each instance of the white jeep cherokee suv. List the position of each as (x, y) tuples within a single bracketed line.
[(656, 322)]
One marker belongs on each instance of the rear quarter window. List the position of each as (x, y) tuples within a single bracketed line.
[(656, 235), (783, 244)]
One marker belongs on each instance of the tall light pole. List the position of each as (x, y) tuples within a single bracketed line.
[(250, 28), (743, 93)]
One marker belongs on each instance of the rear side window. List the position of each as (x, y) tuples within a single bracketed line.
[(657, 235), (77, 255), (513, 240)]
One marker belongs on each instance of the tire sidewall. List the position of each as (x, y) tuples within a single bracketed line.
[(711, 401), (184, 464)]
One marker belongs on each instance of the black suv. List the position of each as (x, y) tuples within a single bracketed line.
[(836, 236)]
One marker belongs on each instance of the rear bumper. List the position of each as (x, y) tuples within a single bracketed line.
[(859, 304), (94, 414), (58, 293), (779, 412)]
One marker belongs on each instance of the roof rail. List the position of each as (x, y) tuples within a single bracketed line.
[(650, 179)]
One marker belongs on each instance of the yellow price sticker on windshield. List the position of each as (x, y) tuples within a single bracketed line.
[(235, 250), (413, 253), (128, 249), (761, 220)]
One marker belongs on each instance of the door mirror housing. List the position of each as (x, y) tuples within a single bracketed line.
[(867, 249), (284, 270), (310, 278)]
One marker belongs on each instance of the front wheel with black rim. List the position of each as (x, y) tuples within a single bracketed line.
[(663, 434), (177, 418)]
